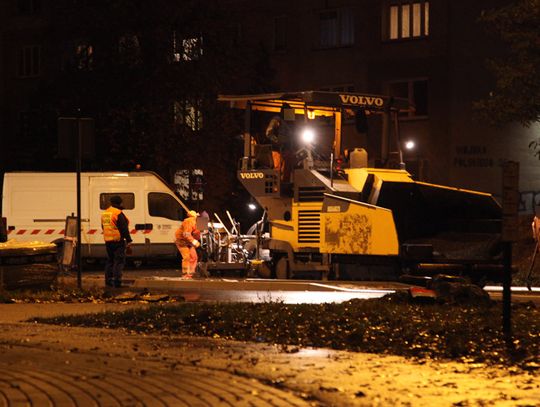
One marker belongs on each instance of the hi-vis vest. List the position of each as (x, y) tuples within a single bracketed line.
[(108, 222)]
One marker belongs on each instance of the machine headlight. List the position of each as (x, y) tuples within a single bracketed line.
[(308, 135)]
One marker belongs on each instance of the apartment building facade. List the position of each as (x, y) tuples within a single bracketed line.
[(433, 53)]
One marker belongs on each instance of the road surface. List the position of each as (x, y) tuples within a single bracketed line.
[(260, 290)]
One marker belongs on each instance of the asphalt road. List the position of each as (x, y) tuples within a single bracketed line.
[(233, 288)]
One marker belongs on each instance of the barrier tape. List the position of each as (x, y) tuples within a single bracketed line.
[(61, 232)]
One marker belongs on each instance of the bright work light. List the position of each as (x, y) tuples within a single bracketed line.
[(308, 135), (409, 145), (251, 204)]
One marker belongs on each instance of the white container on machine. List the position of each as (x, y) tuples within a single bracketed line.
[(358, 158)]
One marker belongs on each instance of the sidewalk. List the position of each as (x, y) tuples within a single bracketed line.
[(46, 365), (87, 366)]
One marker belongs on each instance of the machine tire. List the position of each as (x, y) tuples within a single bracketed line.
[(282, 268), (264, 270)]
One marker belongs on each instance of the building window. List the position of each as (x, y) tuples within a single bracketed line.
[(190, 184), (338, 88), (415, 91), (29, 7), (187, 49), (238, 34), (29, 61), (408, 19), (336, 28), (188, 114), (84, 54), (129, 49), (27, 124), (280, 33)]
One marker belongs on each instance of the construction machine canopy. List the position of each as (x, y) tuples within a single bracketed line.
[(313, 104), (317, 103)]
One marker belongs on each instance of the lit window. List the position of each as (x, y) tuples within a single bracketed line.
[(29, 61), (280, 33), (187, 49), (189, 184), (415, 91), (408, 19), (336, 28), (188, 114), (84, 54)]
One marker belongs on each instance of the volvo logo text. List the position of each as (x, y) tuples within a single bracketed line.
[(361, 100), (251, 175)]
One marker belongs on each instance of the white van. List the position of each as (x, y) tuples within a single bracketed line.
[(36, 205)]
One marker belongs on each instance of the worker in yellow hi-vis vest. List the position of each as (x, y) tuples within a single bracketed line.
[(115, 225)]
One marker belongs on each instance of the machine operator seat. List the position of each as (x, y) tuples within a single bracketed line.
[(263, 156)]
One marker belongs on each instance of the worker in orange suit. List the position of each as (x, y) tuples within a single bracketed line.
[(186, 239)]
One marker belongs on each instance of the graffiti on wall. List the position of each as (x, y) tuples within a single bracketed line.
[(528, 200), (476, 156)]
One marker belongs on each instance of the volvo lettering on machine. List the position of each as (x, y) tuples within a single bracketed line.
[(361, 100), (251, 175)]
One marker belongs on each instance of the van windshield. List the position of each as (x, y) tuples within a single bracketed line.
[(164, 205)]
